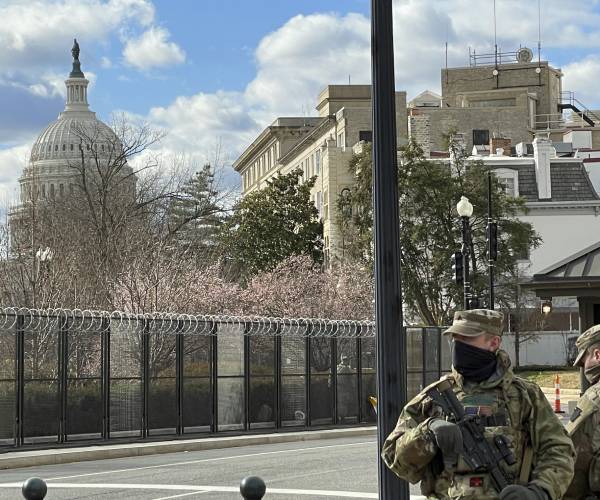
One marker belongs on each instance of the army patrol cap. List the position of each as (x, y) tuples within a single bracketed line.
[(476, 322), (587, 339)]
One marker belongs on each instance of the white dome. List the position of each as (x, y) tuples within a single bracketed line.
[(62, 138)]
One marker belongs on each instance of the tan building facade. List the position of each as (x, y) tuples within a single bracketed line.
[(320, 146)]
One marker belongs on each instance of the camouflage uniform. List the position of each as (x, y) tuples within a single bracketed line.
[(511, 406), (584, 429)]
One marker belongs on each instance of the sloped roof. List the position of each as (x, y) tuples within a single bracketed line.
[(577, 275), (570, 182)]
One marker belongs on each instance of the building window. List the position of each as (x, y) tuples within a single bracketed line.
[(61, 190), (509, 179), (64, 147), (365, 135), (317, 162), (319, 202), (52, 191), (481, 137), (341, 140), (43, 190), (71, 147)]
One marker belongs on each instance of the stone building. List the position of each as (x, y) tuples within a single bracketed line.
[(320, 146)]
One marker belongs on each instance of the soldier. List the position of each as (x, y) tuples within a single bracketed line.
[(584, 427), (426, 447)]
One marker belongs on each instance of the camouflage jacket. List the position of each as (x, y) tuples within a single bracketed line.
[(529, 421), (584, 429)]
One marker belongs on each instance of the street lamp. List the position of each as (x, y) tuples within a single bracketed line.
[(465, 210), (42, 255)]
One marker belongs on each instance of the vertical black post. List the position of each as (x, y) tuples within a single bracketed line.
[(278, 377), (105, 375), (307, 365), (359, 384), (333, 376), (466, 251), (490, 243), (214, 378), (247, 385), (19, 379), (63, 361), (145, 375), (179, 350), (391, 367)]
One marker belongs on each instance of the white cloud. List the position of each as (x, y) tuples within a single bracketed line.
[(34, 34), (152, 49), (582, 77), (12, 162), (106, 63)]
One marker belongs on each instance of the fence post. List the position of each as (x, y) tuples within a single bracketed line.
[(307, 365), (105, 375), (246, 369), (359, 384), (63, 369), (278, 376), (145, 375), (179, 353), (333, 371), (19, 378), (214, 378)]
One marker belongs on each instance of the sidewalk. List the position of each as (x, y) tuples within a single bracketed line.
[(31, 458)]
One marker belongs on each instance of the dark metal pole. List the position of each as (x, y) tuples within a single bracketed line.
[(490, 242), (466, 255), (391, 343)]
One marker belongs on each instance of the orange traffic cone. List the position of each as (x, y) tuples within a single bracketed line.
[(557, 408)]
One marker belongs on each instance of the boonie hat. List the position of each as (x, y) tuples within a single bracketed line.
[(475, 322), (587, 339)]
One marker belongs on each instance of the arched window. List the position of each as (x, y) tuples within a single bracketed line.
[(56, 147), (64, 147)]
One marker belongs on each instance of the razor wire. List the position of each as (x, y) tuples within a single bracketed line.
[(96, 321)]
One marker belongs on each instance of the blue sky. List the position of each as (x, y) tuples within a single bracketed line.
[(209, 71)]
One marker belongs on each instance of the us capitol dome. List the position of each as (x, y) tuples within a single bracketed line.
[(74, 141)]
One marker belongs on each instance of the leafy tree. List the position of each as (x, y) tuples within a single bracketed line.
[(274, 223), (430, 228)]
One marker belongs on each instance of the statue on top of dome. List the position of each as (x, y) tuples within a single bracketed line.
[(75, 49), (76, 71)]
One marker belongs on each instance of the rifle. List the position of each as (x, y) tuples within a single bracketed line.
[(478, 452)]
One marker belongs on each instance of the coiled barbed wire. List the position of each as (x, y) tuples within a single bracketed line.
[(92, 321)]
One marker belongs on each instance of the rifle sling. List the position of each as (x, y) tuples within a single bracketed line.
[(526, 465)]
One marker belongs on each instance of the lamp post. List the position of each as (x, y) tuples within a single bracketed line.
[(42, 255), (391, 343), (465, 210)]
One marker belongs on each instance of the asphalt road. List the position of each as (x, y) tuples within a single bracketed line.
[(317, 470)]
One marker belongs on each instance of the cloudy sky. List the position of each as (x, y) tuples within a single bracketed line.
[(211, 71)]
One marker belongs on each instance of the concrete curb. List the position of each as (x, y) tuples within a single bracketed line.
[(18, 459)]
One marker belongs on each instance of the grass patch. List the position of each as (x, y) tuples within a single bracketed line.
[(569, 379)]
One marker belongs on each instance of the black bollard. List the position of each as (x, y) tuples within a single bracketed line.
[(34, 489), (253, 488)]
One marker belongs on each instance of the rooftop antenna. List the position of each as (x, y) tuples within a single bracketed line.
[(539, 32), (447, 52), (495, 39), (349, 80)]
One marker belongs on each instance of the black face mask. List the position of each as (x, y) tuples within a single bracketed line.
[(473, 363)]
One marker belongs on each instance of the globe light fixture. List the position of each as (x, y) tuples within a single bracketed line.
[(464, 207)]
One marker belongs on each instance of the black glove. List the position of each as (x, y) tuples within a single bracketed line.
[(448, 439), (530, 492)]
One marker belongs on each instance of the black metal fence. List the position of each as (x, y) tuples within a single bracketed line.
[(72, 376)]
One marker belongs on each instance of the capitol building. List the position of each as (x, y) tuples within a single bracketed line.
[(75, 150)]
